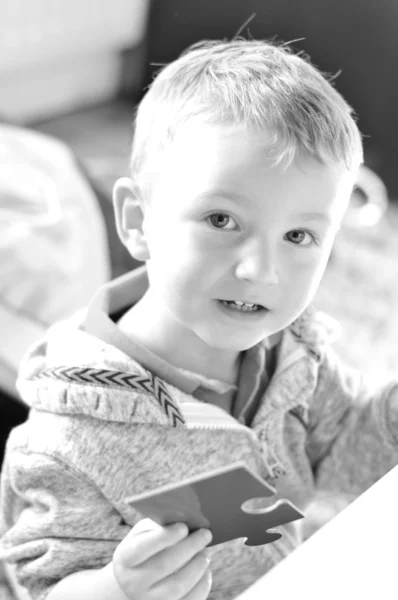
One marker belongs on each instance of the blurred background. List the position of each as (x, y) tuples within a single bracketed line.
[(71, 74)]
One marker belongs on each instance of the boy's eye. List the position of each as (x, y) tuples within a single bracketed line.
[(300, 237), (221, 221)]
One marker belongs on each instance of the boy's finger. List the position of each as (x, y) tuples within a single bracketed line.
[(202, 589), (183, 582), (138, 547), (175, 558)]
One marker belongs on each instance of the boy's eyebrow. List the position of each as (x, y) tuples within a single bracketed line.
[(315, 216), (229, 195)]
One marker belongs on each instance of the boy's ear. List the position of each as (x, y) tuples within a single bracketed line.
[(128, 205)]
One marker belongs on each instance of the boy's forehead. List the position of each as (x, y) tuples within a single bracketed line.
[(204, 151), (200, 145)]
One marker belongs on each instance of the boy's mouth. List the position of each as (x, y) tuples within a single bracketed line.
[(241, 306)]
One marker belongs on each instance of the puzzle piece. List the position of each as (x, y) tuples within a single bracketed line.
[(214, 500)]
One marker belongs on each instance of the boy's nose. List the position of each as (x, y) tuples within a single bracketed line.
[(258, 264)]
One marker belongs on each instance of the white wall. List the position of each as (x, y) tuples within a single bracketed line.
[(56, 55)]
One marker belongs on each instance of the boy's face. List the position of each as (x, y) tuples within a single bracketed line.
[(223, 224)]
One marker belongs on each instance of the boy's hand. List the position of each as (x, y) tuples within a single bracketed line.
[(155, 562)]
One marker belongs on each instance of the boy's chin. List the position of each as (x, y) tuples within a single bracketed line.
[(234, 343)]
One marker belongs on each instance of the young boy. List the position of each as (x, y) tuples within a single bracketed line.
[(244, 160)]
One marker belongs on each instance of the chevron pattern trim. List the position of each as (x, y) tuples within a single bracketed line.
[(148, 383)]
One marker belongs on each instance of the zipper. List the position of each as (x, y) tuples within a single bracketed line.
[(198, 415), (223, 427), (275, 469)]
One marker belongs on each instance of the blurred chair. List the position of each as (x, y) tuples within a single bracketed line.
[(54, 250)]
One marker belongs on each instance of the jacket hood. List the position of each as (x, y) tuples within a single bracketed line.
[(70, 371)]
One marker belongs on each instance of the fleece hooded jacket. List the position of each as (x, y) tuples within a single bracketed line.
[(108, 421)]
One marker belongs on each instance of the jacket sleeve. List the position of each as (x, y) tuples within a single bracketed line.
[(353, 430), (53, 523)]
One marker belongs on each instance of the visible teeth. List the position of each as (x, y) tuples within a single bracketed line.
[(241, 305)]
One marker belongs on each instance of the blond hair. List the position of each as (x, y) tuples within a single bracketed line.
[(251, 83)]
